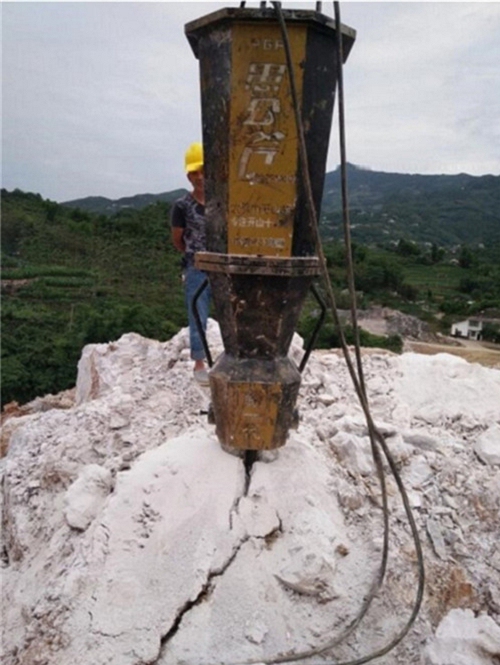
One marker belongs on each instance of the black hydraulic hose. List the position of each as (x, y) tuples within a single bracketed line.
[(378, 462), (376, 438), (197, 320), (316, 330), (344, 195), (375, 435)]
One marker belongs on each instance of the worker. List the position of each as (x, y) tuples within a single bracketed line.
[(188, 236)]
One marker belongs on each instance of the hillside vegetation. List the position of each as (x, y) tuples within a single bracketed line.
[(446, 210), (104, 206), (72, 277), (441, 209)]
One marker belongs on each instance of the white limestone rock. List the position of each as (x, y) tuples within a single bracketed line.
[(464, 639), (353, 451), (258, 518), (180, 563), (487, 446), (86, 495), (417, 473)]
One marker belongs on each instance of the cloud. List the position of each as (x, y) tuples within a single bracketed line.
[(423, 88), (102, 98)]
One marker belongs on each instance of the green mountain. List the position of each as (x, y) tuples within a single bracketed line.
[(103, 206), (445, 210), (71, 277)]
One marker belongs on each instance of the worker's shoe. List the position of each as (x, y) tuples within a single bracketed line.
[(201, 377)]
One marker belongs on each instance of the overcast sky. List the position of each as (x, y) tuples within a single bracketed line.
[(102, 98)]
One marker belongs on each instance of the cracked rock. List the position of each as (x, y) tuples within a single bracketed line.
[(131, 537), (258, 518)]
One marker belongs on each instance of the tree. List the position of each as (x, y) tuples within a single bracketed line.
[(491, 332), (465, 257), (51, 209), (437, 253), (408, 248)]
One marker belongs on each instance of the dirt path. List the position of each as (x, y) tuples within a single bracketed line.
[(474, 352)]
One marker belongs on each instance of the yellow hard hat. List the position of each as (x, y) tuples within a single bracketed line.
[(194, 157)]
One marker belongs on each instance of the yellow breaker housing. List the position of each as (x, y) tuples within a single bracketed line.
[(261, 258)]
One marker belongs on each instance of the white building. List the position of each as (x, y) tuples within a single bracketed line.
[(471, 329)]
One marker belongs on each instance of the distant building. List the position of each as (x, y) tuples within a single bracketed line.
[(471, 329)]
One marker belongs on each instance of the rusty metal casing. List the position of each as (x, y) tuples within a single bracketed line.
[(260, 257)]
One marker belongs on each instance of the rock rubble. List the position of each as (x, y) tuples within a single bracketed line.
[(131, 537)]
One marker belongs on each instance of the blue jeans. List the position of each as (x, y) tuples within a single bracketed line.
[(193, 279)]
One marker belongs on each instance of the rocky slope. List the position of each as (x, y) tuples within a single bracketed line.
[(130, 537)]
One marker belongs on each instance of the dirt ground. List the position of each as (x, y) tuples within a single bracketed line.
[(385, 321), (474, 352)]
